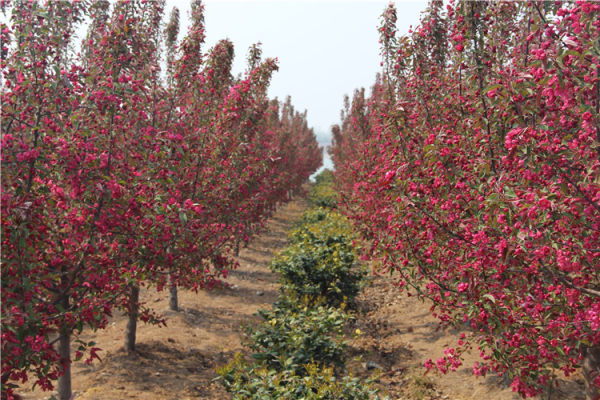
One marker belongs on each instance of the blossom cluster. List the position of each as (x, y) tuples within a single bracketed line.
[(473, 169), (119, 173)]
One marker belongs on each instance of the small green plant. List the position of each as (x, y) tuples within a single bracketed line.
[(321, 262), (293, 334), (323, 196), (320, 223), (316, 272), (312, 216), (323, 193), (248, 381), (325, 177)]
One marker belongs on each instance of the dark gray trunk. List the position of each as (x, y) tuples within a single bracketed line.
[(64, 350), (173, 300), (237, 248), (591, 369), (132, 314)]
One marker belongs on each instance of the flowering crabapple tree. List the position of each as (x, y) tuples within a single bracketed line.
[(117, 175), (57, 265), (226, 190), (474, 170)]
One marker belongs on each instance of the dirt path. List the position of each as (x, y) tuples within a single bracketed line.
[(178, 361)]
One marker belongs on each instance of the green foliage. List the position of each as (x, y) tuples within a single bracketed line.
[(311, 216), (246, 381), (323, 193), (293, 335), (299, 345), (321, 262), (319, 272), (325, 177), (322, 222)]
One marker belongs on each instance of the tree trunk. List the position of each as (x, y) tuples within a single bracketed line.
[(132, 313), (173, 300), (64, 350), (237, 248), (591, 370)]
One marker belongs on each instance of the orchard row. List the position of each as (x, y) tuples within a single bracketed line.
[(299, 351), (473, 169), (135, 161)]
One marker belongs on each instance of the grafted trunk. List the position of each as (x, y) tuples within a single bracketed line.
[(132, 313), (591, 370), (173, 299), (64, 350)]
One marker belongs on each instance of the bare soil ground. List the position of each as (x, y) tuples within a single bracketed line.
[(179, 361), (400, 334)]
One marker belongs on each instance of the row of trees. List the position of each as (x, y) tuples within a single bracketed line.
[(135, 161), (473, 169)]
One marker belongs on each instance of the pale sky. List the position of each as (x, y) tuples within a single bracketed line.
[(325, 48)]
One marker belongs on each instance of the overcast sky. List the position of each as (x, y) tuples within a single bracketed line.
[(325, 48)]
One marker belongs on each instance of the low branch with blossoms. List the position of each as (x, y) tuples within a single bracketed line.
[(473, 168)]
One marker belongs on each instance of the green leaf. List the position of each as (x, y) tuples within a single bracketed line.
[(490, 297), (183, 217)]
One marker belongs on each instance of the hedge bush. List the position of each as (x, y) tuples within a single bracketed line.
[(321, 263), (323, 193), (299, 345), (293, 335), (246, 381)]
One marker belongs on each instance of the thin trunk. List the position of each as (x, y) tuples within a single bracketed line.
[(591, 370), (64, 350), (173, 300), (237, 248), (132, 313)]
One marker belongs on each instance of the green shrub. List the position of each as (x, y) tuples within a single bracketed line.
[(323, 196), (293, 335), (248, 381), (323, 193), (320, 272), (314, 215), (325, 177), (299, 344), (321, 262), (320, 223)]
